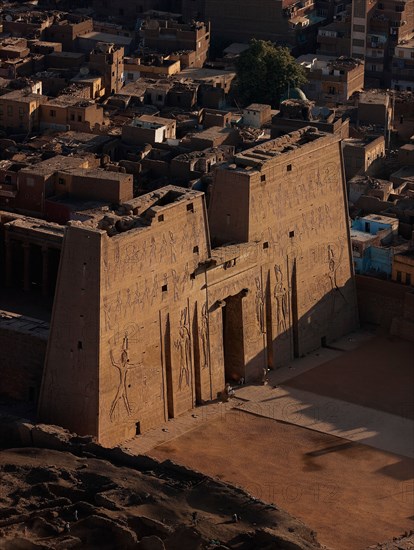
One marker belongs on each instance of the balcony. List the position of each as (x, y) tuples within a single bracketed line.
[(402, 73)]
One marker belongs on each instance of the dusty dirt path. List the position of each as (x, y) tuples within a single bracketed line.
[(352, 495)]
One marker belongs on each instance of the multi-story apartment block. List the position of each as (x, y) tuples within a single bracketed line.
[(168, 36), (107, 60), (402, 69), (281, 21), (376, 29)]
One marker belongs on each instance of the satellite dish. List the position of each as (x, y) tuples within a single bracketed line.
[(8, 18), (84, 71)]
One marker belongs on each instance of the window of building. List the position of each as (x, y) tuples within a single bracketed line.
[(21, 110), (79, 118), (61, 181), (291, 234), (121, 11), (9, 110), (52, 113), (195, 250), (359, 8), (358, 42), (263, 177), (72, 117), (412, 55), (164, 288), (130, 76), (399, 8), (408, 278), (159, 97), (398, 276), (380, 6), (332, 90), (161, 218), (373, 68), (359, 28), (289, 168), (190, 207), (265, 245)]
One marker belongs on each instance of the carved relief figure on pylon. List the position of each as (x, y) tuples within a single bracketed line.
[(280, 294), (183, 345), (204, 337), (123, 366), (260, 312)]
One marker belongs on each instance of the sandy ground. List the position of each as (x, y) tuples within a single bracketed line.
[(379, 374), (352, 495)]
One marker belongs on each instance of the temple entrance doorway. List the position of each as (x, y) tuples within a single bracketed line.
[(233, 341)]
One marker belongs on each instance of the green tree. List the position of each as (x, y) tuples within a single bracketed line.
[(265, 72)]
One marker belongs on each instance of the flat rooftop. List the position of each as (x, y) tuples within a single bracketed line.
[(258, 107), (24, 97), (358, 235), (108, 38), (15, 321), (54, 164), (377, 97), (380, 219), (404, 172), (98, 174), (35, 227), (205, 74)]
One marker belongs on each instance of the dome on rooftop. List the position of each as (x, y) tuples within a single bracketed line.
[(293, 93)]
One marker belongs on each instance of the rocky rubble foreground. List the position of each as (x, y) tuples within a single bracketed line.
[(55, 499)]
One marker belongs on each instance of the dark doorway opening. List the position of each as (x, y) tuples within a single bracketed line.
[(32, 394), (233, 338), (200, 356), (323, 342), (138, 428), (168, 369), (294, 306)]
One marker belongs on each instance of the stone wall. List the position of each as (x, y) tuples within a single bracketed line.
[(379, 301), (23, 343)]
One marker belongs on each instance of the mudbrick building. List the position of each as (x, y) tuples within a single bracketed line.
[(162, 299)]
